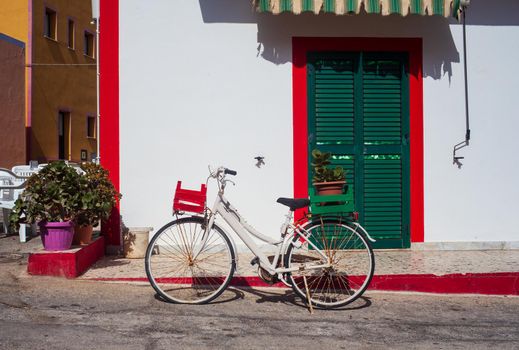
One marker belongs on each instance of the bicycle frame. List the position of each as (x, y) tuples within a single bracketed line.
[(244, 231)]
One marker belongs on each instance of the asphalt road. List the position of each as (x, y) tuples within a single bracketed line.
[(53, 313)]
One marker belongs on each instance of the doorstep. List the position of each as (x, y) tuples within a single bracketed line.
[(500, 283), (69, 263)]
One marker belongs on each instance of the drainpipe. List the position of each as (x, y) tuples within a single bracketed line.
[(455, 158), (95, 18)]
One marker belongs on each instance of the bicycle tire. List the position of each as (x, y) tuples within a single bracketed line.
[(183, 269), (331, 287)]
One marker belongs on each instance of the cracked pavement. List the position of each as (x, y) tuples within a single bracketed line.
[(47, 313)]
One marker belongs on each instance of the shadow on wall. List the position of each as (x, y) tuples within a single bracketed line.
[(275, 32), (493, 13)]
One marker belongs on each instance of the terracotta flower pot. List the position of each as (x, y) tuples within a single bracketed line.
[(329, 188), (56, 235), (83, 234)]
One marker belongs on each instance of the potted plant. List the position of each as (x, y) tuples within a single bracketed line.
[(97, 198), (51, 199), (326, 180)]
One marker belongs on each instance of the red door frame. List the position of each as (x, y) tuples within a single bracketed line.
[(109, 106), (413, 46)]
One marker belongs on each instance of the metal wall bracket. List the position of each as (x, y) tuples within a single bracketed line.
[(455, 158)]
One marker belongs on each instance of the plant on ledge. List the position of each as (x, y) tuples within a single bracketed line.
[(51, 199), (98, 197), (326, 180)]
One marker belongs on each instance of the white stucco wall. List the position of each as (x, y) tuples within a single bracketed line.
[(210, 82)]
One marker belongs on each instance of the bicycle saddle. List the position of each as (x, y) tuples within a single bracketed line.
[(294, 203)]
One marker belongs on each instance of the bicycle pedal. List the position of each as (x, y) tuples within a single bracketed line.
[(254, 261), (267, 277)]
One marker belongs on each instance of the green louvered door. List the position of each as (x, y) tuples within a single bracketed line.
[(358, 109)]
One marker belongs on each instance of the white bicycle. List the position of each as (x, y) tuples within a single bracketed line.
[(327, 260)]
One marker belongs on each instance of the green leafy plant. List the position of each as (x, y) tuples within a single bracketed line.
[(97, 196), (52, 195), (321, 170), (58, 193)]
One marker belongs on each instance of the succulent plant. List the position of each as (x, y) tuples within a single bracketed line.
[(321, 170)]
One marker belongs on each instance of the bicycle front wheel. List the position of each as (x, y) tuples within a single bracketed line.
[(345, 249), (185, 264)]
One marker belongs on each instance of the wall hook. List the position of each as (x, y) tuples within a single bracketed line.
[(259, 161)]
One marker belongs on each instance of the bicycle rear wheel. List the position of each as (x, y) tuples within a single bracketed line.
[(350, 255), (184, 264)]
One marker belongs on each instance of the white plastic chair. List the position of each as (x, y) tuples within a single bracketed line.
[(11, 186), (25, 171)]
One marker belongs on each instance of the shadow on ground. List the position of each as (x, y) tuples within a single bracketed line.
[(274, 296)]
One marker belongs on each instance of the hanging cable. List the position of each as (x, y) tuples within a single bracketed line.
[(60, 65), (455, 158)]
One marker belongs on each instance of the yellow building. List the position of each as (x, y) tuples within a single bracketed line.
[(60, 78)]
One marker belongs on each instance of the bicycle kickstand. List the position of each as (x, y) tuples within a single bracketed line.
[(310, 307)]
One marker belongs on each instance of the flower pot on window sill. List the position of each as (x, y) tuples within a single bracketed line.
[(329, 188)]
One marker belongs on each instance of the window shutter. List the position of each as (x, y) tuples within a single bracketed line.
[(358, 110), (384, 157), (332, 108), (383, 196), (334, 101), (382, 101)]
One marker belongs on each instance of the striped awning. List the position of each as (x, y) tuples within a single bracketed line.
[(446, 8)]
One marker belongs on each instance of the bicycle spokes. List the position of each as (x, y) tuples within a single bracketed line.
[(186, 264)]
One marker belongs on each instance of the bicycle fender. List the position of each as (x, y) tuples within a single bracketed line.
[(234, 248), (371, 239)]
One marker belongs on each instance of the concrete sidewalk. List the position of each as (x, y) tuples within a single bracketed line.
[(388, 262), (477, 272), (439, 271)]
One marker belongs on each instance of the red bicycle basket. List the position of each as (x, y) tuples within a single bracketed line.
[(189, 200)]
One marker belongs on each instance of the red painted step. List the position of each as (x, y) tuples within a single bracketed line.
[(66, 263), (499, 283)]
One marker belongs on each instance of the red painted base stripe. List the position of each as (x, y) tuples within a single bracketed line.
[(502, 283), (66, 264), (241, 281)]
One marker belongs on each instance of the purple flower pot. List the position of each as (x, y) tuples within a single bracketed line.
[(56, 235)]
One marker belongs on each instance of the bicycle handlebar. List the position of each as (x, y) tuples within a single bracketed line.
[(219, 175), (230, 172), (221, 170)]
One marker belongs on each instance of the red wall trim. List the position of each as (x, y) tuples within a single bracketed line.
[(416, 141), (497, 283), (493, 283), (413, 46), (109, 105)]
